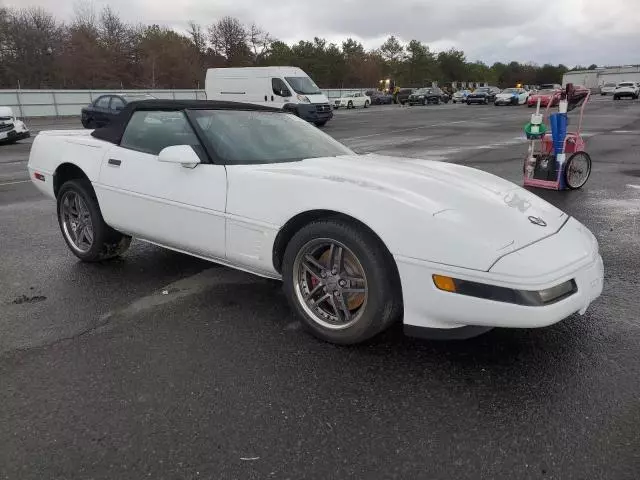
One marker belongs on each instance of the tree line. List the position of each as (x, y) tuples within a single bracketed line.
[(100, 50)]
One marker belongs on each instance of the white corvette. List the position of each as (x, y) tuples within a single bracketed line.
[(359, 241)]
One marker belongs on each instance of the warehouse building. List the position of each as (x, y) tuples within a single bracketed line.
[(594, 79)]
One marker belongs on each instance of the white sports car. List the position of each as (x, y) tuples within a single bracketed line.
[(359, 241), (352, 100), (512, 96), (11, 129)]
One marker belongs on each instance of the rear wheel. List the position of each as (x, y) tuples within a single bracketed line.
[(366, 104), (350, 105), (83, 228), (577, 170), (341, 282)]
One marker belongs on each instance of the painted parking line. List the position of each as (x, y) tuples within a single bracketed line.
[(14, 183)]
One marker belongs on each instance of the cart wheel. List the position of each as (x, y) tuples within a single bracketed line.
[(577, 170)]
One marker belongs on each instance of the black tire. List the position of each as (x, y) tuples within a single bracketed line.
[(486, 101), (424, 102), (89, 123), (321, 124), (383, 304), (468, 102), (107, 242), (615, 97), (582, 181), (349, 105), (366, 104)]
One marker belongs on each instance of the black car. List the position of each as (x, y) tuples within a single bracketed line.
[(483, 95), (104, 108), (379, 98), (428, 95), (403, 95)]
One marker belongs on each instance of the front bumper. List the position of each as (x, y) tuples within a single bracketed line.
[(506, 101), (477, 99), (625, 93), (14, 135), (312, 112), (570, 254)]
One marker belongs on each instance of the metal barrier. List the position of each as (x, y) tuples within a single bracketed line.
[(67, 103)]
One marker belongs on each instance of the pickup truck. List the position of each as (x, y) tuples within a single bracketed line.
[(359, 241)]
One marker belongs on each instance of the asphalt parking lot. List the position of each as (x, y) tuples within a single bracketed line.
[(159, 365)]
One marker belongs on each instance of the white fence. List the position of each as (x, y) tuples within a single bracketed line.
[(66, 103)]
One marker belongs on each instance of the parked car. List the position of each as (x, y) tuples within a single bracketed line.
[(404, 93), (512, 96), (483, 95), (428, 95), (368, 241), (352, 100), (103, 109), (286, 88), (460, 96), (545, 96), (379, 98), (626, 90), (11, 129), (607, 88)]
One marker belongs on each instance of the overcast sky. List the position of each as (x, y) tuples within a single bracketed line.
[(555, 31)]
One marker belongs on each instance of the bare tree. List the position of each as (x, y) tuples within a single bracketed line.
[(260, 42), (198, 37), (228, 39), (84, 14)]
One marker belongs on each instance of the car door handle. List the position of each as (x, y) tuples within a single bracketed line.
[(114, 162), (272, 98), (265, 98)]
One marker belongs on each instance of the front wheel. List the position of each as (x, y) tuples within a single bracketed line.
[(84, 230), (349, 105), (366, 104), (341, 281), (321, 124), (577, 170)]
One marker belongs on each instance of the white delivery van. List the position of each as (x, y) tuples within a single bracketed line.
[(288, 88)]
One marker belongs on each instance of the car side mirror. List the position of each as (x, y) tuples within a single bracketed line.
[(185, 155)]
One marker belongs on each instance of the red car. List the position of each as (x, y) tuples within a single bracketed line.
[(545, 97), (551, 93)]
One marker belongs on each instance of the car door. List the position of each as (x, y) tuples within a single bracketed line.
[(165, 203), (101, 110), (116, 106), (280, 91)]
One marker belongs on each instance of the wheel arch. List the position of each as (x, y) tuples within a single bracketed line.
[(289, 229), (65, 172)]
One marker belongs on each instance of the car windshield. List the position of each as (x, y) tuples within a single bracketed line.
[(609, 84), (482, 89), (250, 137), (510, 90), (546, 91), (626, 84), (422, 91), (303, 85)]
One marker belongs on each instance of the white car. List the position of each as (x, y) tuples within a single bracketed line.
[(607, 88), (11, 129), (626, 89), (359, 241), (352, 100), (512, 96)]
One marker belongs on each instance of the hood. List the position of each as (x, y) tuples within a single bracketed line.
[(6, 112), (460, 208), (320, 98)]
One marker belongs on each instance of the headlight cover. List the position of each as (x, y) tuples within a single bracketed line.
[(528, 298)]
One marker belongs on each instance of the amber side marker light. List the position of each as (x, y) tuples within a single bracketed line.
[(444, 283)]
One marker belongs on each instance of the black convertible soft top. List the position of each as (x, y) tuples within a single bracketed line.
[(115, 129)]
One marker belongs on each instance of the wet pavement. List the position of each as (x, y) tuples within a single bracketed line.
[(160, 365)]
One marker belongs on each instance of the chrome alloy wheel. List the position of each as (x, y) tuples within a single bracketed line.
[(330, 284), (76, 221)]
